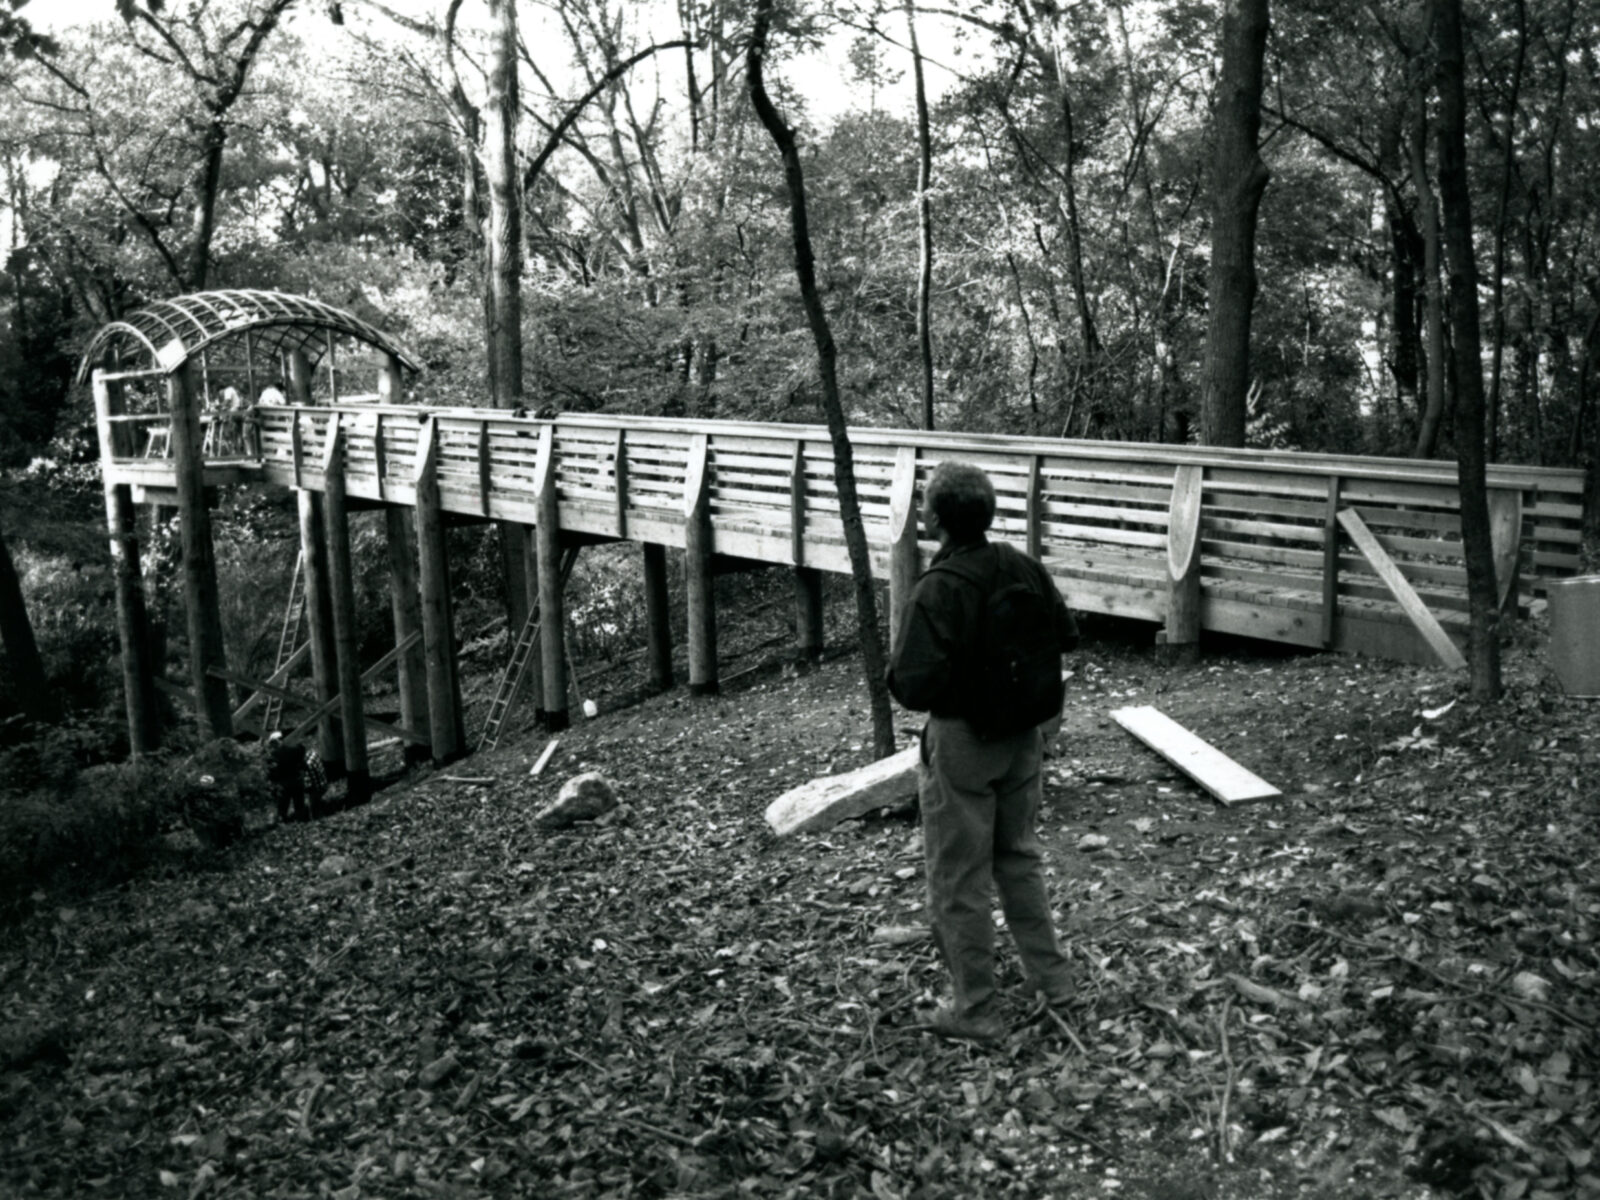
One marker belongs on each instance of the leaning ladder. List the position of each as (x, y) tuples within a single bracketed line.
[(294, 611), (521, 654)]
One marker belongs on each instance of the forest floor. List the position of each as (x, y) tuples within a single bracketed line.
[(1384, 984)]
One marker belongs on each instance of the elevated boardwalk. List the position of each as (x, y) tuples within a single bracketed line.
[(1273, 562), (1351, 554)]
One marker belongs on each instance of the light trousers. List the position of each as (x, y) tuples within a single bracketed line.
[(980, 812)]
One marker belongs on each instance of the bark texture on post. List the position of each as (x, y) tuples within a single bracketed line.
[(202, 610), (319, 625), (808, 614), (342, 594), (445, 730), (133, 621), (1238, 177), (552, 606), (874, 660), (1483, 645), (406, 606), (697, 567), (657, 619)]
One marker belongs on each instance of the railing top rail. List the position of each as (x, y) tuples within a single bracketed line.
[(1421, 471)]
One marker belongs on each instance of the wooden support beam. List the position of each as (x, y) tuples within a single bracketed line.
[(1034, 512), (1205, 764), (406, 607), (797, 505), (319, 622), (316, 711), (342, 592), (201, 601), (1410, 603), (825, 802), (1330, 562), (657, 619), (552, 604), (1183, 556), (808, 613), (1505, 534), (619, 480), (905, 562), (133, 621), (697, 566), (277, 679), (446, 732)]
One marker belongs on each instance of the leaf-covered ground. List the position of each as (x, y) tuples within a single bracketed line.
[(1384, 984)]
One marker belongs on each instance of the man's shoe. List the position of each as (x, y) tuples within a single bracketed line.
[(983, 1027)]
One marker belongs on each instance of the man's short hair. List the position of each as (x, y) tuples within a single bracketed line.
[(961, 498)]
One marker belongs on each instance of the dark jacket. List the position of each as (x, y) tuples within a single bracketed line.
[(929, 665)]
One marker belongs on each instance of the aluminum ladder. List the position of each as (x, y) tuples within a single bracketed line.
[(294, 612), (521, 654)]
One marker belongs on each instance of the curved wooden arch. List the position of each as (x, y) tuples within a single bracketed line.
[(169, 333)]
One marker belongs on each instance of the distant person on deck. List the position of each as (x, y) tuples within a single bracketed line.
[(979, 649)]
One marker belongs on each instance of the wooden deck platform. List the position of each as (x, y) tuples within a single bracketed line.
[(1274, 562)]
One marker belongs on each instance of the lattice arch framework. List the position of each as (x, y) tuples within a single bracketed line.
[(169, 333)]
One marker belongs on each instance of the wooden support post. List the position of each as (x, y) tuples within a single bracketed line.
[(797, 506), (905, 563), (1427, 624), (552, 611), (319, 623), (1505, 534), (1035, 508), (299, 378), (658, 625), (407, 608), (342, 593), (133, 622), (619, 480), (433, 577), (808, 613), (1183, 556), (533, 673), (204, 616), (697, 565), (1330, 562)]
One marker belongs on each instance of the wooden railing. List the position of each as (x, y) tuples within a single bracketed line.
[(1274, 561)]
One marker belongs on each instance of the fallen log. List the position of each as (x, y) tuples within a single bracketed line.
[(823, 802)]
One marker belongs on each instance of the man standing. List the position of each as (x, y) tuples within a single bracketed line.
[(979, 649)]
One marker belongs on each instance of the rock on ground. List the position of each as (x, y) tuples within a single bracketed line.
[(583, 798)]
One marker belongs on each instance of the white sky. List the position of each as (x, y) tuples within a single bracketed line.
[(823, 78)]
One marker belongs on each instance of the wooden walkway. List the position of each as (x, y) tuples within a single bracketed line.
[(1110, 520)]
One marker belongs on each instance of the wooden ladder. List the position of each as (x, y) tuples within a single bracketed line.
[(294, 611), (521, 654)]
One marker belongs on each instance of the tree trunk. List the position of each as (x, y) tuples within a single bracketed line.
[(505, 223), (924, 223), (1433, 303), (855, 534), (1238, 179), (1508, 162), (26, 668), (1456, 199)]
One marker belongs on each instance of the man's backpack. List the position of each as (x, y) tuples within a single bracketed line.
[(1011, 676)]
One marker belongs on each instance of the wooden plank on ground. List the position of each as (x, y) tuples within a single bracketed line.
[(549, 749), (1427, 624), (1204, 763), (823, 802)]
